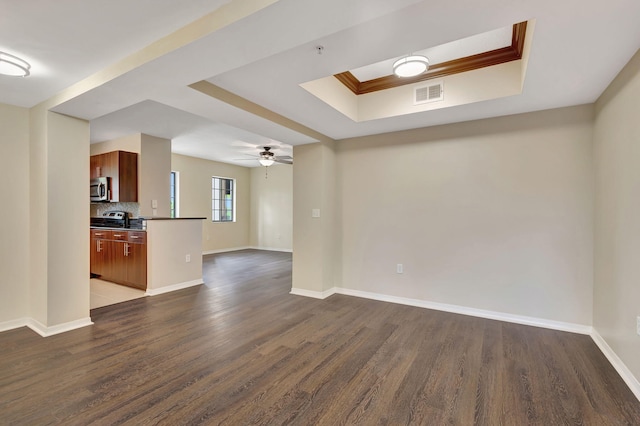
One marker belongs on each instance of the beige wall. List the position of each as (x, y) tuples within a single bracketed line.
[(169, 242), (14, 217), (272, 207), (154, 176), (314, 238), (195, 200), (129, 143), (68, 219), (58, 238), (493, 214), (617, 213)]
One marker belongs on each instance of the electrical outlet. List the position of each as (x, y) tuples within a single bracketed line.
[(399, 268), (187, 258)]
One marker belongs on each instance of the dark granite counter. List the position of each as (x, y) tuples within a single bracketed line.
[(171, 218)]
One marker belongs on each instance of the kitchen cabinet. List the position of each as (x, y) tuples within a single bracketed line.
[(101, 256), (122, 168), (120, 257)]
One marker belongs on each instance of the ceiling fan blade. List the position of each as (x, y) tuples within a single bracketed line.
[(283, 160)]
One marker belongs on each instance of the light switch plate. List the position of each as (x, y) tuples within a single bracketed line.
[(315, 213), (154, 204)]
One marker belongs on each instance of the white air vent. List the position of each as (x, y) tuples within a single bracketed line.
[(431, 93)]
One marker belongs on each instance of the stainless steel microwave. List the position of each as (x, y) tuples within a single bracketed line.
[(99, 188)]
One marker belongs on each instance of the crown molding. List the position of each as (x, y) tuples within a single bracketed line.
[(455, 66)]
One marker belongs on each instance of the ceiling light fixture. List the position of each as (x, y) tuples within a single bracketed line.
[(13, 66), (266, 157), (266, 161), (410, 66)]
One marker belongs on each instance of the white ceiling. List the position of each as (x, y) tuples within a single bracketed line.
[(578, 48), (468, 46)]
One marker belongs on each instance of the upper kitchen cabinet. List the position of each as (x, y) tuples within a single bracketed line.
[(122, 168)]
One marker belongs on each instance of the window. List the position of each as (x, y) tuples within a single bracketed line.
[(223, 200), (173, 196)]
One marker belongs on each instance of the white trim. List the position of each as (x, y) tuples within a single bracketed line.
[(173, 287), (285, 250), (13, 324), (311, 293), (225, 250), (500, 316), (45, 331), (617, 363)]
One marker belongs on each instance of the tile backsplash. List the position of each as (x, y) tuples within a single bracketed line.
[(97, 209)]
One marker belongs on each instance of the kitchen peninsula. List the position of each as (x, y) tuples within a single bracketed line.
[(157, 254), (153, 252), (174, 253)]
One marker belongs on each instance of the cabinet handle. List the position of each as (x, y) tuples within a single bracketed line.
[(99, 246), (98, 234), (126, 249), (117, 235), (133, 236)]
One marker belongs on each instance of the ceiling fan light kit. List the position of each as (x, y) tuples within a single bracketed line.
[(266, 157), (410, 66), (13, 66), (266, 161)]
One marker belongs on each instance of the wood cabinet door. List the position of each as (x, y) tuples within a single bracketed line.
[(95, 166), (98, 256), (119, 262), (101, 253), (128, 176), (137, 265)]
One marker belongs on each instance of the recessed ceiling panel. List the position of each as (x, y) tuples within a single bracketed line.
[(473, 45)]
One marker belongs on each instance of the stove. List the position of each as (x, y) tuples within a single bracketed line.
[(116, 219)]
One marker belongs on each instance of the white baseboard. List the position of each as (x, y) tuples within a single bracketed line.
[(225, 250), (273, 249), (481, 313), (310, 293), (500, 316), (10, 325), (46, 331), (173, 287), (617, 363)]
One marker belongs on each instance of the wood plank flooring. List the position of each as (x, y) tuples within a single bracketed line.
[(242, 350)]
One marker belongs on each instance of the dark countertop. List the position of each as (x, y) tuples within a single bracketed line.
[(171, 218), (117, 229)]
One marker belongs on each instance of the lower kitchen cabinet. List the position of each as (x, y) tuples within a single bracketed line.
[(120, 257), (101, 254)]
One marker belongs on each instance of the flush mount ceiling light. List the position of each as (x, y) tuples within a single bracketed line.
[(410, 66), (13, 66)]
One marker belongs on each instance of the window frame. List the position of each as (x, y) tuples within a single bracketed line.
[(174, 194), (226, 184)]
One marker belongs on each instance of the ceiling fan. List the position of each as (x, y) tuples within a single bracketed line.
[(266, 157)]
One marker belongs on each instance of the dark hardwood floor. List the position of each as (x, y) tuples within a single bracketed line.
[(242, 350)]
